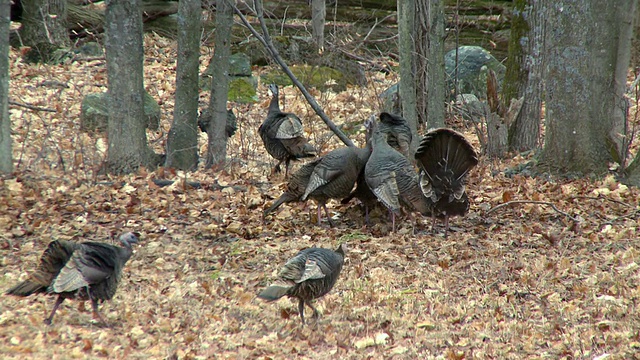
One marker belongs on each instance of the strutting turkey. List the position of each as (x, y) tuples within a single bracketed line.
[(391, 177), (310, 274), (445, 157), (330, 176), (84, 271), (282, 135)]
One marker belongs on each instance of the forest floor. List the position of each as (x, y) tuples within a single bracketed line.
[(523, 281)]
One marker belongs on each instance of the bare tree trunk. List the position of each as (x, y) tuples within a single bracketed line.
[(431, 85), (408, 71), (182, 142), (217, 145), (582, 53), (44, 27), (6, 158), (524, 132), (318, 16), (126, 129)]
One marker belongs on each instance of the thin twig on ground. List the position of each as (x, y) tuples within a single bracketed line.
[(552, 205)]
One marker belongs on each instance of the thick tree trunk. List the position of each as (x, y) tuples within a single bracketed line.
[(126, 130), (6, 158), (182, 142), (44, 27), (524, 132), (582, 54), (217, 145)]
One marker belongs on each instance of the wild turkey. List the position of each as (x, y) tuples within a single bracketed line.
[(397, 131), (445, 158), (307, 276), (331, 176), (334, 176), (84, 271), (391, 177), (230, 127), (282, 135), (399, 137), (295, 187)]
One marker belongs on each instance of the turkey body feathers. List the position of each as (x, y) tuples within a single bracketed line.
[(310, 274), (296, 186), (392, 178), (86, 271), (398, 132), (282, 134)]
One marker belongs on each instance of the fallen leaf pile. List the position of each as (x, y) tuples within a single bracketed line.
[(554, 277)]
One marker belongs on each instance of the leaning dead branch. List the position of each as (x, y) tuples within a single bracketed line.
[(265, 39)]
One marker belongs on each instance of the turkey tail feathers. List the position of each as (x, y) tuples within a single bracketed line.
[(445, 153)]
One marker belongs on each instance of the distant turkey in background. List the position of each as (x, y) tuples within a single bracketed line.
[(445, 158), (283, 136), (230, 127), (310, 274), (84, 271)]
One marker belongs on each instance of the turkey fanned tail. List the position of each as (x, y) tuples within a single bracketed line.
[(445, 158)]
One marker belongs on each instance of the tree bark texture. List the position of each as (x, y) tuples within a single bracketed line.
[(581, 54), (6, 155), (217, 145), (527, 38), (123, 47), (431, 85), (44, 27), (318, 17), (408, 71), (182, 142)]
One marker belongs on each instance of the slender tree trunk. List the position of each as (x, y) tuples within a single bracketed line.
[(431, 85), (44, 27), (408, 71), (217, 145), (582, 51), (524, 132), (182, 142), (318, 16), (126, 129), (6, 158)]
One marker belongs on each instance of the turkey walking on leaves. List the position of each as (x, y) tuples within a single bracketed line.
[(445, 158), (83, 271), (307, 276), (282, 135)]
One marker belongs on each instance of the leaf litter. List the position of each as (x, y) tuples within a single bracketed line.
[(524, 281)]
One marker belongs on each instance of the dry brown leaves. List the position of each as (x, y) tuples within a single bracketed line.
[(525, 281)]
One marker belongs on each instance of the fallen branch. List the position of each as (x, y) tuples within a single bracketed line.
[(553, 206), (265, 39), (31, 107)]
